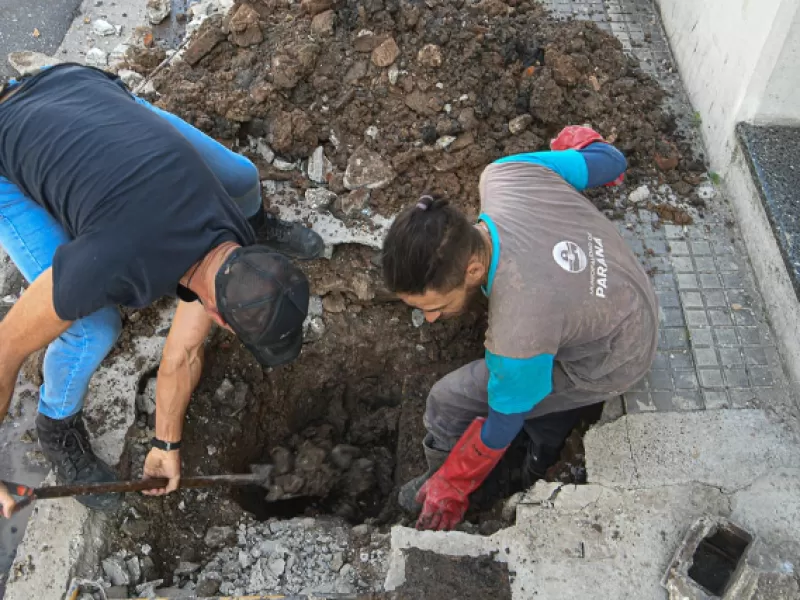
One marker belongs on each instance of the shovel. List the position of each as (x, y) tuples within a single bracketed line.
[(261, 476)]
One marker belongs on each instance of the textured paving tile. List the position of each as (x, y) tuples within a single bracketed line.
[(716, 351)]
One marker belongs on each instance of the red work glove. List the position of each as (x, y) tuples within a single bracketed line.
[(445, 496), (577, 137)]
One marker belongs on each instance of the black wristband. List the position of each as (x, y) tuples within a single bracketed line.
[(166, 446)]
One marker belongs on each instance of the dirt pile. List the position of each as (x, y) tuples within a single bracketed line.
[(398, 97)]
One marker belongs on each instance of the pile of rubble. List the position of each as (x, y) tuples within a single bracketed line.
[(296, 556)]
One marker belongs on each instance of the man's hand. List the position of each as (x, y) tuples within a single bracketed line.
[(7, 501), (161, 463)]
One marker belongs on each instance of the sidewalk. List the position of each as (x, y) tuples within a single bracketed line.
[(713, 429)]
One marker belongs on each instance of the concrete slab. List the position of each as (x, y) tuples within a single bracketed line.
[(728, 449), (771, 507)]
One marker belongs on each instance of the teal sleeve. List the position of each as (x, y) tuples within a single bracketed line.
[(516, 385), (569, 164)]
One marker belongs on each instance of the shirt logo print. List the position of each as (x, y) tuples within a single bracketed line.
[(569, 256)]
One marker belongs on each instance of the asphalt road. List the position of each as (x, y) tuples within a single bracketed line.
[(20, 18)]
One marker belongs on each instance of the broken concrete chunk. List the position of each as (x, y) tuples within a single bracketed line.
[(417, 317), (219, 537), (118, 53), (430, 56), (385, 54), (282, 460), (519, 124), (116, 570), (96, 58), (157, 10), (319, 166), (353, 203), (366, 169), (640, 194), (103, 28), (131, 79), (245, 30), (134, 569), (343, 455), (186, 568), (28, 62), (320, 198), (207, 37), (323, 23)]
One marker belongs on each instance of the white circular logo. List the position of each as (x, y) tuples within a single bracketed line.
[(569, 256)]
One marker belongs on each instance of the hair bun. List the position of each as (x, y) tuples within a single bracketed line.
[(428, 202)]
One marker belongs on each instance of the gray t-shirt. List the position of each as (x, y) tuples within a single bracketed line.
[(565, 284)]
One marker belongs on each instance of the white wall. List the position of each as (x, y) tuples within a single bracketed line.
[(781, 100), (727, 52)]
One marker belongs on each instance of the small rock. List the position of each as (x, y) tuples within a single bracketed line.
[(208, 585), (319, 166), (385, 54), (157, 10), (666, 156), (103, 28), (417, 317), (290, 484), (283, 165), (334, 303), (186, 568), (245, 30), (394, 74), (27, 62), (353, 203), (324, 22), (366, 41), (219, 537), (361, 531), (315, 7), (337, 561), (519, 124), (342, 455), (116, 571), (467, 119), (706, 191), (430, 56), (96, 58), (320, 198), (203, 41), (148, 568), (367, 169), (263, 150), (245, 560), (282, 460), (225, 391), (639, 195), (277, 566), (372, 132), (444, 142), (148, 588), (131, 79), (134, 569), (313, 329)]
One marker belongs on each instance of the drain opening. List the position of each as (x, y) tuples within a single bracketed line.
[(716, 558)]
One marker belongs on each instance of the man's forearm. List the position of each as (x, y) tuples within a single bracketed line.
[(178, 376)]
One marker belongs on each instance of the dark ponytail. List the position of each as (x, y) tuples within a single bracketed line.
[(428, 247)]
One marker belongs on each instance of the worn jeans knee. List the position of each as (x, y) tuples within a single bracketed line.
[(72, 359)]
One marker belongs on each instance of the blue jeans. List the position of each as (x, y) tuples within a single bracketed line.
[(30, 236)]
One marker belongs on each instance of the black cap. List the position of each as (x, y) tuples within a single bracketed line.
[(264, 299)]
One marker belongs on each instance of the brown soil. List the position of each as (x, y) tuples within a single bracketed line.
[(358, 392), (496, 62), (430, 575)]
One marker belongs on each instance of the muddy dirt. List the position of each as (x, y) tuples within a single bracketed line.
[(403, 97), (430, 575), (435, 91)]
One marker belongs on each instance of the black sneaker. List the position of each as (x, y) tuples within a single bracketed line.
[(65, 443), (290, 239)]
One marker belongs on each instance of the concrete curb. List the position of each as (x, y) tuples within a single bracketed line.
[(773, 279)]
